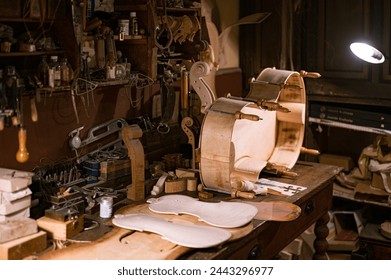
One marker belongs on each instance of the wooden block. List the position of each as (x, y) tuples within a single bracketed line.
[(173, 186), (377, 181), (22, 247), (341, 161), (114, 165), (182, 173), (205, 195), (13, 229), (338, 245), (61, 230), (130, 135)]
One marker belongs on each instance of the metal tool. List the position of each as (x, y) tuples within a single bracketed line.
[(74, 105), (97, 133), (75, 141)]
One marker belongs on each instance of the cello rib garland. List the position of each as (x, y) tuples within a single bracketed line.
[(234, 150)]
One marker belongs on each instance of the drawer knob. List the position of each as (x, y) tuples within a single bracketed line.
[(254, 253), (309, 207)]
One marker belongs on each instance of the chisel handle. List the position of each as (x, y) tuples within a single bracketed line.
[(22, 155)]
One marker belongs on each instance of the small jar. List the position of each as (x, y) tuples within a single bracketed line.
[(123, 25), (106, 207)]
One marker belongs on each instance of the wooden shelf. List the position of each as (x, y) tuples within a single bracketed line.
[(345, 193), (132, 39), (130, 7), (349, 126), (180, 10), (29, 20), (23, 54)]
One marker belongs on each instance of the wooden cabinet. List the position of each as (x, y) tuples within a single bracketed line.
[(332, 25), (346, 80), (336, 25)]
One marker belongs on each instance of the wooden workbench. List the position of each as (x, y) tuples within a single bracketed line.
[(263, 241), (269, 238)]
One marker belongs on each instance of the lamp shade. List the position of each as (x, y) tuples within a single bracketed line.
[(367, 52)]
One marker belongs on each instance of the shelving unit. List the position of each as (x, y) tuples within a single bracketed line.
[(345, 193), (349, 126), (27, 54)]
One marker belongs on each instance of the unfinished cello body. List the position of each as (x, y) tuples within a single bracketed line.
[(242, 137)]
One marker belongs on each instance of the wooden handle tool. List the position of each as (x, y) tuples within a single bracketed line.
[(239, 194), (313, 152), (250, 117), (22, 155), (313, 75), (34, 111)]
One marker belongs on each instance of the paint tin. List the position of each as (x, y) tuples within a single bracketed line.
[(106, 207)]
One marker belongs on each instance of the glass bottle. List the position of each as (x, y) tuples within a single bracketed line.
[(57, 71), (51, 73), (43, 71), (134, 23), (65, 72)]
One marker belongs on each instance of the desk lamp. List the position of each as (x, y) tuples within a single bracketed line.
[(367, 53)]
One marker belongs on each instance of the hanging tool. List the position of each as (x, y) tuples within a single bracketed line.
[(22, 155), (74, 105), (184, 92), (10, 95), (34, 111), (75, 141), (163, 36), (168, 100)]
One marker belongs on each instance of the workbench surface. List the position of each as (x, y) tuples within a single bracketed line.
[(264, 241), (268, 238)]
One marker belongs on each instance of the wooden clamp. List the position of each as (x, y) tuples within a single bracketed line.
[(130, 135)]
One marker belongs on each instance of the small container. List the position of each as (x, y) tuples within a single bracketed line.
[(6, 46), (106, 207), (110, 72), (123, 25), (134, 23)]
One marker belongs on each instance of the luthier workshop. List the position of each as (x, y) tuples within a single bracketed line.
[(195, 130)]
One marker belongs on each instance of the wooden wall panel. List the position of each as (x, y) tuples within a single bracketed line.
[(341, 23)]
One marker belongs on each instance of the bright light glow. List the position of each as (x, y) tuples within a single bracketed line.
[(367, 53)]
